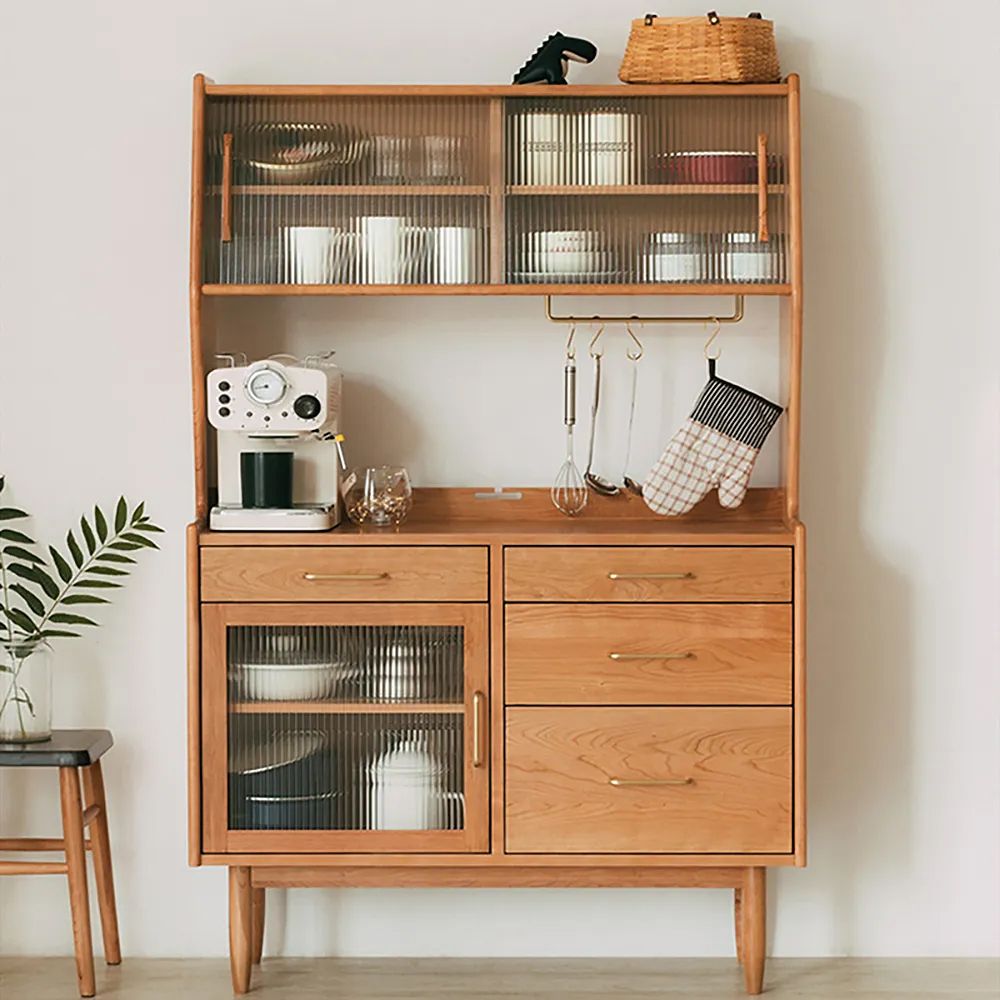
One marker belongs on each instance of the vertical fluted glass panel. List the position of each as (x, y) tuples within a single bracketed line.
[(321, 736), (645, 190), (347, 191)]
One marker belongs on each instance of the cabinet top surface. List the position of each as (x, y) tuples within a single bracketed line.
[(456, 517), (781, 89)]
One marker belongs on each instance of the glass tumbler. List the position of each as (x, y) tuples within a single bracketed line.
[(380, 496)]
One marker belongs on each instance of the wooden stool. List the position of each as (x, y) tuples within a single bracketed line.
[(73, 750)]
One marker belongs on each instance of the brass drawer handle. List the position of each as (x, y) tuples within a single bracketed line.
[(651, 576), (350, 577), (648, 782), (618, 657), (478, 753)]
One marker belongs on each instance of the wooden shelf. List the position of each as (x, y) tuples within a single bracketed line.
[(503, 90), (343, 708), (560, 288), (639, 189), (359, 190)]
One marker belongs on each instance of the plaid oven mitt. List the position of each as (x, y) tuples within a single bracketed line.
[(715, 448)]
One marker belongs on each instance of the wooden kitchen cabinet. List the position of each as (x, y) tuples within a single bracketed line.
[(615, 699)]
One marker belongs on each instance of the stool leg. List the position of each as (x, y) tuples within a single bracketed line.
[(258, 925), (100, 842), (240, 928), (76, 862)]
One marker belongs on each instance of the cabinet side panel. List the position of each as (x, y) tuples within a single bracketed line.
[(197, 362), (193, 697), (794, 345), (799, 694)]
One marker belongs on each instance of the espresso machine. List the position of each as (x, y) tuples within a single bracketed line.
[(277, 425)]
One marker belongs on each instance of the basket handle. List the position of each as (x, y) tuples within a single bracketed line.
[(713, 17)]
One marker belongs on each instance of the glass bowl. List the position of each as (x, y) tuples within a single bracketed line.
[(379, 496)]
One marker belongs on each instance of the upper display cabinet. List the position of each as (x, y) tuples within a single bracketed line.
[(497, 190)]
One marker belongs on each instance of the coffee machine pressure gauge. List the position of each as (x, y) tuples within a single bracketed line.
[(266, 385)]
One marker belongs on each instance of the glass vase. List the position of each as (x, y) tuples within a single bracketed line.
[(25, 690)]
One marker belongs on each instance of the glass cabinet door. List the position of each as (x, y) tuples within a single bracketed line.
[(345, 728)]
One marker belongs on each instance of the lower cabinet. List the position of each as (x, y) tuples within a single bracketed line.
[(648, 702), (345, 728)]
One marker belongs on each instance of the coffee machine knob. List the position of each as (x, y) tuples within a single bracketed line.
[(266, 386), (306, 407)]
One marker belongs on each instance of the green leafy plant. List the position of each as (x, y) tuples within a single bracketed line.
[(38, 596)]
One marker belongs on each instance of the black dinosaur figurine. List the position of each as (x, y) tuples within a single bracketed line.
[(551, 59)]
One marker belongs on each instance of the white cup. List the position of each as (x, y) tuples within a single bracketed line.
[(383, 249), (309, 250), (452, 254)]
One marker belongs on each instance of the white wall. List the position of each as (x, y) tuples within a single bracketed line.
[(900, 471)]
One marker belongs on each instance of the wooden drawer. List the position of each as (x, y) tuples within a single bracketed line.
[(682, 654), (344, 573), (648, 573), (594, 780)]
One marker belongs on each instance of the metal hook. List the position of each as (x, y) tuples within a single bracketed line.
[(570, 348), (630, 353), (593, 343), (708, 343)]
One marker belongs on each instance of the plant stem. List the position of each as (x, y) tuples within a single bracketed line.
[(12, 692), (6, 595)]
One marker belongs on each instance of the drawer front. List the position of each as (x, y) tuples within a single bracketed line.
[(344, 573), (681, 654), (649, 780), (648, 573)]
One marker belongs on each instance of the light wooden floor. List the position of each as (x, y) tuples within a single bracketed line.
[(496, 979)]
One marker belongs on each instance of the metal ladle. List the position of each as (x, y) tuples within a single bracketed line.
[(598, 484)]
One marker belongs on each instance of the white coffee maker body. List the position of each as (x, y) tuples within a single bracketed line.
[(277, 406)]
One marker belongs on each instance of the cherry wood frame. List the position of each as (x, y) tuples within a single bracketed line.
[(447, 517)]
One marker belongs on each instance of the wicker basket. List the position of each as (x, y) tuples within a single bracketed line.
[(708, 49)]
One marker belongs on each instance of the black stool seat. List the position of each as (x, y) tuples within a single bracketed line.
[(67, 748)]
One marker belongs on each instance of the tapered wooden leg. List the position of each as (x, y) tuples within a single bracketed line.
[(76, 863), (100, 845), (258, 925), (240, 928), (754, 937), (738, 922)]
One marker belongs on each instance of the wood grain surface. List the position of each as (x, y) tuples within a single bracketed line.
[(707, 654), (363, 573), (562, 573), (560, 762)]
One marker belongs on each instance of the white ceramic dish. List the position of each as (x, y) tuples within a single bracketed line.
[(289, 681)]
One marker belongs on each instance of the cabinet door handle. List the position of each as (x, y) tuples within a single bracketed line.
[(651, 576), (763, 233), (227, 187), (478, 752), (647, 782), (347, 577), (618, 657)]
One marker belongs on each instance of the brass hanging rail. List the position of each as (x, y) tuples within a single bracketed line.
[(735, 317)]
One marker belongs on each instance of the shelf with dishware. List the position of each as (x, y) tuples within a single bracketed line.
[(358, 190), (343, 708), (541, 190)]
